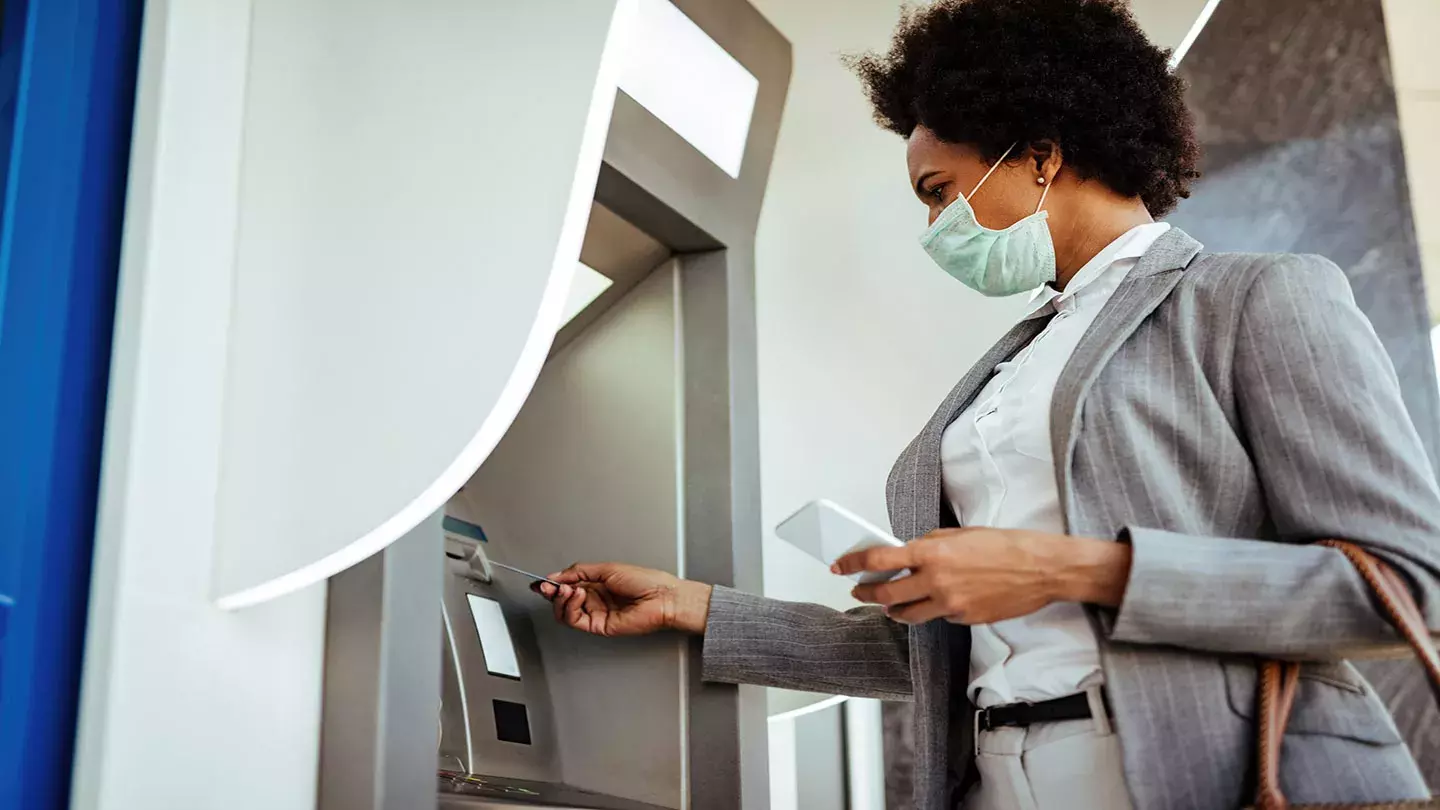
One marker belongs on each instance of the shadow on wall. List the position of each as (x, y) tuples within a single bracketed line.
[(1296, 111)]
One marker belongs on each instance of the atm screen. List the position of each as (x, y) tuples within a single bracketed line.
[(495, 640)]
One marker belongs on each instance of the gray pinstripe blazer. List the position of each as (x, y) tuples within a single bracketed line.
[(1221, 411)]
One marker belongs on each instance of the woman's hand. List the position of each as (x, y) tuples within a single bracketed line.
[(610, 599), (979, 576)]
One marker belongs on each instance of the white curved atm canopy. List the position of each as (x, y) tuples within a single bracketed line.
[(410, 220), (414, 191)]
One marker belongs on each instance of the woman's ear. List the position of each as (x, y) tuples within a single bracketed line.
[(1047, 158)]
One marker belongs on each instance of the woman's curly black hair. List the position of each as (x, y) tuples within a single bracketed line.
[(1078, 73)]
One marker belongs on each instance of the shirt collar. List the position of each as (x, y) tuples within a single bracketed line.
[(1129, 245)]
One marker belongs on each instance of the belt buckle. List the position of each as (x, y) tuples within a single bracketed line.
[(982, 723)]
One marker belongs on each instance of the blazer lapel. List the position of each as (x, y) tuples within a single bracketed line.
[(1147, 285), (914, 490), (915, 508)]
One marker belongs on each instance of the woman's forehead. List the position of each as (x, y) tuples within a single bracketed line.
[(924, 151)]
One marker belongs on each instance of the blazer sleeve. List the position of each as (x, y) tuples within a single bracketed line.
[(767, 642), (1337, 456)]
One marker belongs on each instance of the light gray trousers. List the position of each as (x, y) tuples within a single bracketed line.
[(1069, 765)]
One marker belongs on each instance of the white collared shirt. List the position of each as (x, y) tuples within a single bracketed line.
[(999, 471)]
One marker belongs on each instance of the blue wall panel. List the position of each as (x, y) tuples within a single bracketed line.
[(67, 79)]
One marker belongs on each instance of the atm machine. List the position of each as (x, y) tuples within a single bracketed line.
[(533, 712), (497, 730), (639, 443)]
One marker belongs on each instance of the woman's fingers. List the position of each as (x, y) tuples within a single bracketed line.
[(916, 612), (574, 609), (895, 592), (557, 603), (880, 558)]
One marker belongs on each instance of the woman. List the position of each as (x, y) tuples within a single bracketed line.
[(1111, 512)]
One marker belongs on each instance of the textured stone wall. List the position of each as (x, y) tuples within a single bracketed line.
[(1296, 110)]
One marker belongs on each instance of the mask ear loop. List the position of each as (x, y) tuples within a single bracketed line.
[(1043, 192), (1008, 150)]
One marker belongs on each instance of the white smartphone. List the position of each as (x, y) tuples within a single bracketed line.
[(827, 532)]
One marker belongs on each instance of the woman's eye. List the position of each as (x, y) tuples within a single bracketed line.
[(938, 193)]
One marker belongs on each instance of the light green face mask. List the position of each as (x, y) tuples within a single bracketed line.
[(990, 262)]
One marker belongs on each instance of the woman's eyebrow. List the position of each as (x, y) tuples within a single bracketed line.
[(919, 182)]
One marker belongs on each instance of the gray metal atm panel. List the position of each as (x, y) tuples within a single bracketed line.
[(591, 469), (378, 724), (487, 761), (469, 688)]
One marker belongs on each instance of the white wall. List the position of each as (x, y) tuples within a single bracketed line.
[(183, 704), (865, 745), (860, 335), (784, 789)]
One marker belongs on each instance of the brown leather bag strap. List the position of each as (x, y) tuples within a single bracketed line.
[(1400, 608), (1278, 685), (1279, 680)]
